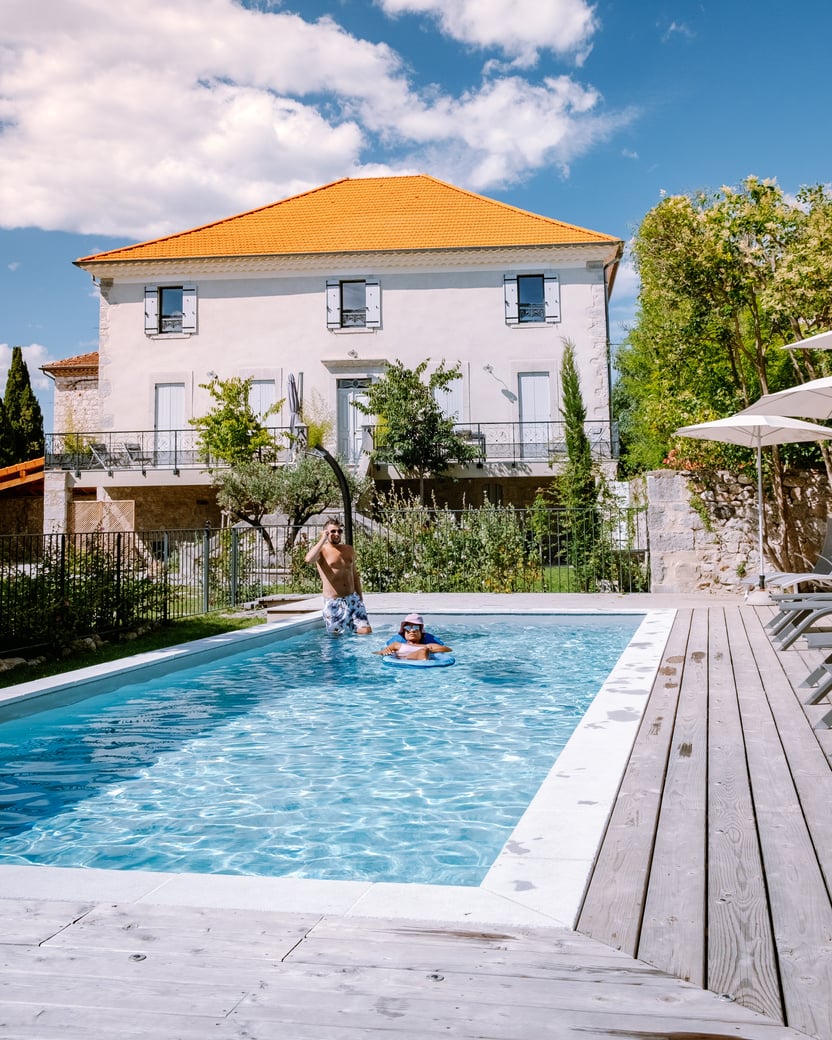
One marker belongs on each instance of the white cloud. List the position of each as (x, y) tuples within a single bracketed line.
[(518, 28), (138, 120), (678, 29), (14, 265), (34, 355), (509, 127)]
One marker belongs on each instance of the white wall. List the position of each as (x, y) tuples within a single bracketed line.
[(267, 325)]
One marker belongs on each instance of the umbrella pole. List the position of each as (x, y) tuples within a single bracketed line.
[(760, 509)]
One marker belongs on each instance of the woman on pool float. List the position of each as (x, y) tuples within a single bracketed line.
[(413, 643)]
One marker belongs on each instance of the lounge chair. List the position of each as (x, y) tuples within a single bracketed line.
[(101, 454), (796, 615), (134, 455)]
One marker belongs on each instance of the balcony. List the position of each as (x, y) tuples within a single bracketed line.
[(141, 450), (508, 443), (511, 443)]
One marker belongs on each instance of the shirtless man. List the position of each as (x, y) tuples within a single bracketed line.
[(342, 592)]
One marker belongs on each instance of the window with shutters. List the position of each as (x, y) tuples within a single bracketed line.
[(532, 299), (353, 303), (169, 310)]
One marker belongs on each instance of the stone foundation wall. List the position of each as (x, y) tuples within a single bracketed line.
[(170, 508), (21, 515), (703, 527)]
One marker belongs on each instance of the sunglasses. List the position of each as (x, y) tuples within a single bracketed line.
[(336, 530), (412, 628)]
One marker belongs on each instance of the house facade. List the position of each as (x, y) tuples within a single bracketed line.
[(328, 286)]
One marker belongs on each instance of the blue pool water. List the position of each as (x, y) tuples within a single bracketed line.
[(309, 758)]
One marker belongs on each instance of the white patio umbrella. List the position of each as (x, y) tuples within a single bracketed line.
[(822, 341), (758, 432), (813, 400)]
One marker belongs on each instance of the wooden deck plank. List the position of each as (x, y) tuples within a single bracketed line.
[(294, 987), (25, 922), (741, 954), (808, 761), (614, 901), (136, 927), (673, 927), (799, 902), (381, 1022)]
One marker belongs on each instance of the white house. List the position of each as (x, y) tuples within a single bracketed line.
[(329, 285)]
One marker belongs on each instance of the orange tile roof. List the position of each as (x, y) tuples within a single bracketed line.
[(363, 215), (71, 364)]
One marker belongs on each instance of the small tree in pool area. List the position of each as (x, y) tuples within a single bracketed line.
[(413, 434)]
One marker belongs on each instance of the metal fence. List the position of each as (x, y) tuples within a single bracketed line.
[(56, 588)]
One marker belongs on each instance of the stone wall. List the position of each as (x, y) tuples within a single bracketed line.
[(21, 514), (703, 527)]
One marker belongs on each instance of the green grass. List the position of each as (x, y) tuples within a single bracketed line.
[(171, 634)]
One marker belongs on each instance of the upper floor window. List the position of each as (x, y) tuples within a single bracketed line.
[(531, 299), (169, 309), (353, 303), (530, 305)]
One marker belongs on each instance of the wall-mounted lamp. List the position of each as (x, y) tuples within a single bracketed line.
[(488, 368), (352, 353), (212, 375)]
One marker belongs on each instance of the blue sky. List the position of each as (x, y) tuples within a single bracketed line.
[(123, 121)]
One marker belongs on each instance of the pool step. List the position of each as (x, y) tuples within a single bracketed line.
[(281, 607)]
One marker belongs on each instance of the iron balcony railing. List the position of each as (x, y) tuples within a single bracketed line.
[(514, 442), (494, 442), (140, 450)]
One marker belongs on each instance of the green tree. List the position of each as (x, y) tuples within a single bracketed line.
[(726, 279), (231, 431), (309, 486), (577, 483), (23, 416), (249, 490), (252, 484), (5, 437), (576, 487), (412, 433)]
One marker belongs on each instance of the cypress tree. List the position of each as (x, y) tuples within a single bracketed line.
[(24, 419), (5, 437)]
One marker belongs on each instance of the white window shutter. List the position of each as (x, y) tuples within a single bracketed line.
[(333, 303), (551, 295), (189, 308), (510, 292), (151, 310), (372, 303)]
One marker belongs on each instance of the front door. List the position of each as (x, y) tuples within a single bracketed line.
[(169, 423), (535, 414), (350, 420)]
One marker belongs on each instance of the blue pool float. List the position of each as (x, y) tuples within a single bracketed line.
[(434, 661)]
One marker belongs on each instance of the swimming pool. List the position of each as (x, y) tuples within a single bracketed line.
[(386, 762)]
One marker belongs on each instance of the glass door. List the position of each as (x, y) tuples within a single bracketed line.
[(350, 420)]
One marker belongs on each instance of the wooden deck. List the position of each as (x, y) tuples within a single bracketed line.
[(708, 913), (717, 862)]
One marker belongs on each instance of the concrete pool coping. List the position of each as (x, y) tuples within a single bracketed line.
[(539, 877)]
